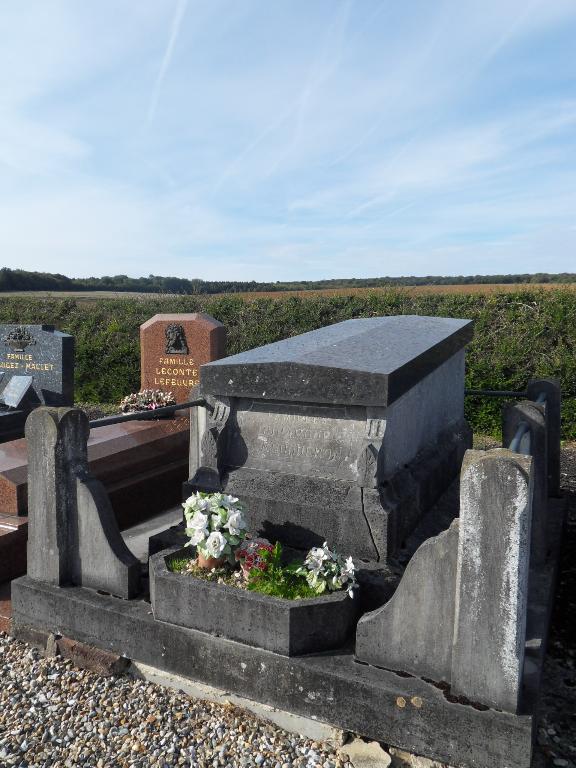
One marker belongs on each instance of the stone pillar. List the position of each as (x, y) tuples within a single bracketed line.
[(198, 426), (56, 441), (551, 388), (174, 346), (534, 415), (492, 577), (73, 535)]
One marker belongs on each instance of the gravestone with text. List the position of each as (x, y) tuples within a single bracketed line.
[(174, 346), (45, 354), (37, 363)]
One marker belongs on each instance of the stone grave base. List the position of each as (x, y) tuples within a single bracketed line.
[(396, 709)]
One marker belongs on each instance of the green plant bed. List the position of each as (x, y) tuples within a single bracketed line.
[(278, 582)]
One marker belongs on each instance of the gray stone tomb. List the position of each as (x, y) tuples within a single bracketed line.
[(348, 433)]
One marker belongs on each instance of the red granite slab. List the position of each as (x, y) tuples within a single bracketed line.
[(175, 366), (119, 455), (141, 463)]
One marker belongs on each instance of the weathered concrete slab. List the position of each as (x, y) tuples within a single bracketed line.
[(402, 711), (492, 584), (288, 721), (413, 632)]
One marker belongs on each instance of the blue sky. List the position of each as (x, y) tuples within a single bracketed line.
[(288, 139)]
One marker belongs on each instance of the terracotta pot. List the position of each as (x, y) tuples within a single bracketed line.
[(210, 562)]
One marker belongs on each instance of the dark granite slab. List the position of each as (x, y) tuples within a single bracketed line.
[(43, 353), (369, 361)]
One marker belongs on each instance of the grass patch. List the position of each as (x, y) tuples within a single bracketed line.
[(278, 581)]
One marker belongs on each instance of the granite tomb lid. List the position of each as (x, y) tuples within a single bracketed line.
[(371, 361)]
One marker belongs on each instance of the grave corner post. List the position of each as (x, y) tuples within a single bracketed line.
[(492, 577), (551, 389), (55, 437), (534, 416)]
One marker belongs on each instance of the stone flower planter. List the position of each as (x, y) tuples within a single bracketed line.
[(287, 627)]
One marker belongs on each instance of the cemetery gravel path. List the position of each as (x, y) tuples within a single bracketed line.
[(53, 715)]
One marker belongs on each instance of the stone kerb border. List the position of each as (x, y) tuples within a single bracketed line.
[(287, 627)]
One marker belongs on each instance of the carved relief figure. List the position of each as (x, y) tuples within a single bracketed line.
[(176, 340)]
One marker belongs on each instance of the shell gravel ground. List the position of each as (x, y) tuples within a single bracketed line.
[(54, 715)]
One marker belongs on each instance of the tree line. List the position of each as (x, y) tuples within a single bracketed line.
[(21, 280)]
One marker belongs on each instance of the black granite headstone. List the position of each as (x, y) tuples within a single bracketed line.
[(43, 353)]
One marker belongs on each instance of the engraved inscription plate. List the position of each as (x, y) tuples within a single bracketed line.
[(303, 439)]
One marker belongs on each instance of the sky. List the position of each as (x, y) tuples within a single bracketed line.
[(288, 139)]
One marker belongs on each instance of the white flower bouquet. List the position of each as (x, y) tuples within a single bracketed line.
[(327, 570), (215, 524)]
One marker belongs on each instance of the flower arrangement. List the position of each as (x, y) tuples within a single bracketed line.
[(321, 571), (251, 554), (215, 524), (324, 570), (146, 400), (273, 578)]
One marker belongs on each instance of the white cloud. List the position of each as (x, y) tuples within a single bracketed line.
[(352, 138)]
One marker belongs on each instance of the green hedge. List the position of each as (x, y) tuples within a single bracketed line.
[(518, 336)]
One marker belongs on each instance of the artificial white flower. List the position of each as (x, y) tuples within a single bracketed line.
[(235, 523), (215, 544), (315, 559), (324, 569), (198, 527), (196, 503), (348, 569), (197, 535), (214, 513)]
